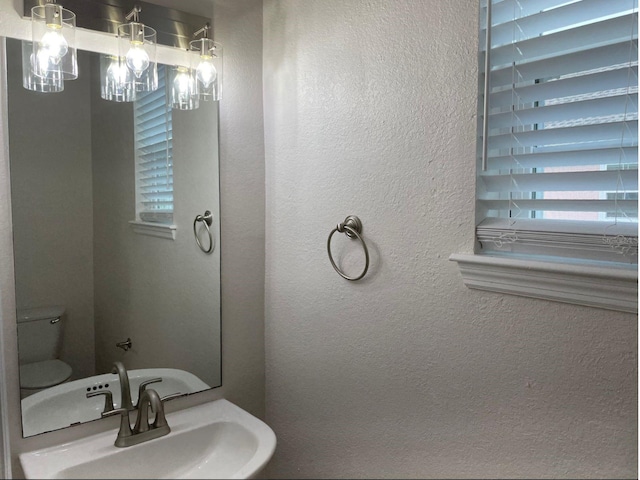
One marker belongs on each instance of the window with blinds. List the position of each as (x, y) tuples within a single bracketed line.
[(558, 156), (154, 154)]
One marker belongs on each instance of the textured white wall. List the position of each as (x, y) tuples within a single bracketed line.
[(370, 109)]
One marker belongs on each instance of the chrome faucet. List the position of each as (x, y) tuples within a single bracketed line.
[(125, 390), (151, 399), (142, 431)]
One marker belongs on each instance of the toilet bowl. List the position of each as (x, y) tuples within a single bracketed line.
[(39, 342)]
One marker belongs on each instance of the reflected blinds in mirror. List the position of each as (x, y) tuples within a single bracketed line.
[(560, 163), (154, 154)]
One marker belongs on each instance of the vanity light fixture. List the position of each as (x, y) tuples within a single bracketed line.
[(53, 30), (50, 57), (209, 66), (137, 46), (52, 83), (116, 80), (183, 89)]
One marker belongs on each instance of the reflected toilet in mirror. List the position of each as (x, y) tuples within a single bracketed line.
[(39, 342)]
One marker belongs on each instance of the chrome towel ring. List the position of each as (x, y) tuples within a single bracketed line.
[(207, 220), (352, 228)]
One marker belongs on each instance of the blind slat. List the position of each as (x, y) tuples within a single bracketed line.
[(504, 11), (152, 108), (159, 138), (625, 155), (576, 39), (165, 203), (156, 172), (597, 181), (563, 112), (158, 187), (527, 236), (536, 24), (153, 99), (160, 162), (162, 196), (628, 207), (145, 124), (154, 154), (563, 138), (161, 180), (153, 114), (569, 63), (565, 87)]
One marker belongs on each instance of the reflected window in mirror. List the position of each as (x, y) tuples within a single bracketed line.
[(154, 154)]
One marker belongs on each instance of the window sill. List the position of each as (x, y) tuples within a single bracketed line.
[(580, 284), (160, 230)]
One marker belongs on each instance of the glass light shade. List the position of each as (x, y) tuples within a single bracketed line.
[(116, 80), (208, 67), (137, 45), (53, 30), (183, 89), (52, 83)]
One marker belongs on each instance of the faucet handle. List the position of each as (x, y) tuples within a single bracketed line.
[(170, 396), (115, 411), (143, 386), (108, 400)]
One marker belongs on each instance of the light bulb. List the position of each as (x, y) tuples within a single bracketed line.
[(181, 83), (137, 60), (184, 92), (42, 62), (54, 44), (206, 71), (117, 73), (44, 65)]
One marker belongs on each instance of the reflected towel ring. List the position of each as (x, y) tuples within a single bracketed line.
[(207, 220), (351, 227)]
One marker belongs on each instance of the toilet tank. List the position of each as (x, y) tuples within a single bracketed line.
[(39, 334)]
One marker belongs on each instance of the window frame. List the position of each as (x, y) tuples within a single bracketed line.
[(595, 281), (154, 222)]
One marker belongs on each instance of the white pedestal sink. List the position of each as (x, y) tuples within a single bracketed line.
[(66, 404), (213, 440)]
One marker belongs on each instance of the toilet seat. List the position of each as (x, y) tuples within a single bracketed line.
[(44, 374)]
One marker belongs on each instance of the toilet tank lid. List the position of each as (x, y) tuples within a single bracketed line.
[(40, 313)]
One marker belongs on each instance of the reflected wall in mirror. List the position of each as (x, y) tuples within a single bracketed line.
[(89, 274)]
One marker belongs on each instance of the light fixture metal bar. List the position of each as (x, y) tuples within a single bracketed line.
[(134, 14), (204, 31)]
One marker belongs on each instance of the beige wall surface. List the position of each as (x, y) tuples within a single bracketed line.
[(370, 109)]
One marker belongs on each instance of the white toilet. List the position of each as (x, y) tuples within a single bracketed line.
[(39, 342)]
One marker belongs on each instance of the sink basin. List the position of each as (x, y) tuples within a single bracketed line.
[(213, 440), (66, 404)]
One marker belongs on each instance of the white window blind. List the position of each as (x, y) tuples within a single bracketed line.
[(558, 157), (154, 154)]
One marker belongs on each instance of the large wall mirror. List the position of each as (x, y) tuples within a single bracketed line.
[(94, 283)]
